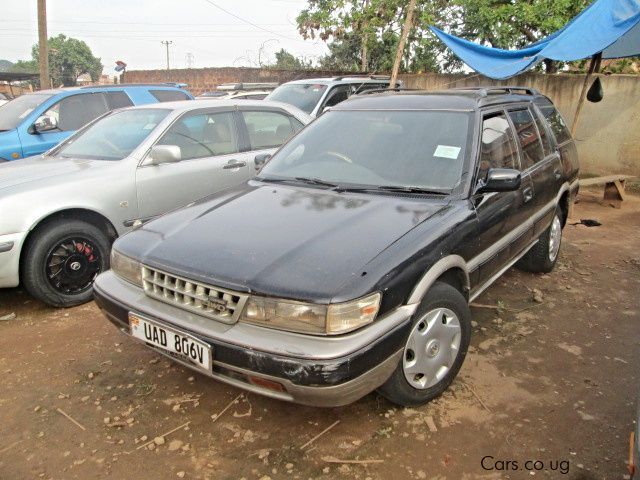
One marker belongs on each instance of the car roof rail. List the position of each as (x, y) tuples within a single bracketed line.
[(388, 89), (356, 76), (120, 85), (247, 86), (510, 89)]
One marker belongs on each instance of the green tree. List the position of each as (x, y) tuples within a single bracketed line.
[(68, 59), (287, 61)]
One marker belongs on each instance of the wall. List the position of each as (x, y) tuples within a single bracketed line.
[(608, 132), (204, 79)]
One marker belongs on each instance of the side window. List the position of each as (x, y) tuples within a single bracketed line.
[(528, 137), (117, 100), (544, 138), (498, 147), (169, 95), (203, 135), (76, 111), (339, 94), (554, 120), (267, 129)]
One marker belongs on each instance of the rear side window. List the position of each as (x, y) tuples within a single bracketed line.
[(528, 136), (169, 95), (76, 111), (498, 148), (554, 120), (117, 100), (268, 129)]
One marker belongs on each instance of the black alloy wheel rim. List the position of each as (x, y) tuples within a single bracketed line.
[(72, 265)]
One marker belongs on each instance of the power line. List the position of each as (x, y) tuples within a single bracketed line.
[(249, 22), (166, 43)]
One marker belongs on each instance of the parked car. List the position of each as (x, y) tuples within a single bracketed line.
[(239, 91), (315, 95), (349, 262), (62, 210), (33, 123)]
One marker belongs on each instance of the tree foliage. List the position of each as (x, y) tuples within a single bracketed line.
[(285, 60), (68, 59), (364, 34)]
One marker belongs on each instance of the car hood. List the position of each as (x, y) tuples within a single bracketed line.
[(284, 241), (34, 169)]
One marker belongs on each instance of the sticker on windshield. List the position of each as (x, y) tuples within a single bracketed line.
[(445, 151)]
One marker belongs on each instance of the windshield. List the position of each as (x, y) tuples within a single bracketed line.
[(420, 149), (305, 96), (14, 111), (113, 137)]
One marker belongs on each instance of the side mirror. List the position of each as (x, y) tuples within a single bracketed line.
[(501, 180), (45, 123), (160, 154), (261, 159)]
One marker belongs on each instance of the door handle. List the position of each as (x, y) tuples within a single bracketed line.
[(527, 194), (231, 164)]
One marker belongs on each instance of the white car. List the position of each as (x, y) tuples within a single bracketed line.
[(62, 210)]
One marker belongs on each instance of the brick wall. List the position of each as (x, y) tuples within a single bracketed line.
[(204, 79)]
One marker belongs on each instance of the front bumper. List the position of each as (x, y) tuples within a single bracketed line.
[(10, 246), (312, 370)]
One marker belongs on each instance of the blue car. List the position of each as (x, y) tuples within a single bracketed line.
[(33, 123)]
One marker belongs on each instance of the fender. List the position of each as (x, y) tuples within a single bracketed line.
[(428, 279)]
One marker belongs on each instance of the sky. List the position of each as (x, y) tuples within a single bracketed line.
[(132, 31)]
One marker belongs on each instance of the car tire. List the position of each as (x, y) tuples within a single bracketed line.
[(429, 360), (61, 259), (542, 257)]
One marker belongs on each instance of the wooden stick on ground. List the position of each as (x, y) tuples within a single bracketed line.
[(163, 435), (319, 435), (227, 407), (359, 462), (473, 392), (70, 418)]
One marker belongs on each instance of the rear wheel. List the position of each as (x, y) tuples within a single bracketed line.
[(542, 257), (435, 348), (62, 259)]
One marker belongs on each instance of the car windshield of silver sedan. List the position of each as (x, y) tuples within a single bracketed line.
[(405, 151), (113, 137)]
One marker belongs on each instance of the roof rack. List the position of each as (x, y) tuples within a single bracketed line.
[(388, 89), (119, 85), (372, 77), (247, 86), (484, 91)]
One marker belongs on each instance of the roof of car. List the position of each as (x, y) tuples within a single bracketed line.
[(343, 79), (188, 105), (453, 99), (55, 91)]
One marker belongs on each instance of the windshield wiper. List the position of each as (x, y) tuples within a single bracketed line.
[(408, 189), (316, 181)]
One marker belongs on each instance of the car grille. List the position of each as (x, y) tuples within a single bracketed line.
[(213, 302)]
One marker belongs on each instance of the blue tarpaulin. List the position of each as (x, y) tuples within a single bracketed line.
[(608, 26)]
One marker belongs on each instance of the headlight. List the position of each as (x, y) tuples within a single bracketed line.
[(126, 267), (311, 318)]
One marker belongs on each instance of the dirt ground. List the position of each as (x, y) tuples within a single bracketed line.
[(551, 380)]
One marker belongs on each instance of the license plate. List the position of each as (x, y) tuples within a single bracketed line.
[(178, 344)]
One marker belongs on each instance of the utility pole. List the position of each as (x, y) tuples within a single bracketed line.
[(189, 59), (166, 43), (43, 45), (408, 23)]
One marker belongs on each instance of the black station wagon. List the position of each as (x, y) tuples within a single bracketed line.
[(348, 263)]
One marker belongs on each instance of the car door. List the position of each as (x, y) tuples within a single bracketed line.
[(209, 145), (70, 113), (266, 130), (539, 162), (502, 216)]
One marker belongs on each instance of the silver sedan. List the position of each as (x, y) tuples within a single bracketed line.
[(61, 211)]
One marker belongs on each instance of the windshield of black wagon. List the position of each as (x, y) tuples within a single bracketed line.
[(425, 149)]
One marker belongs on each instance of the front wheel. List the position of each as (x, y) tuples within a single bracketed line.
[(62, 259), (434, 350), (542, 257)]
